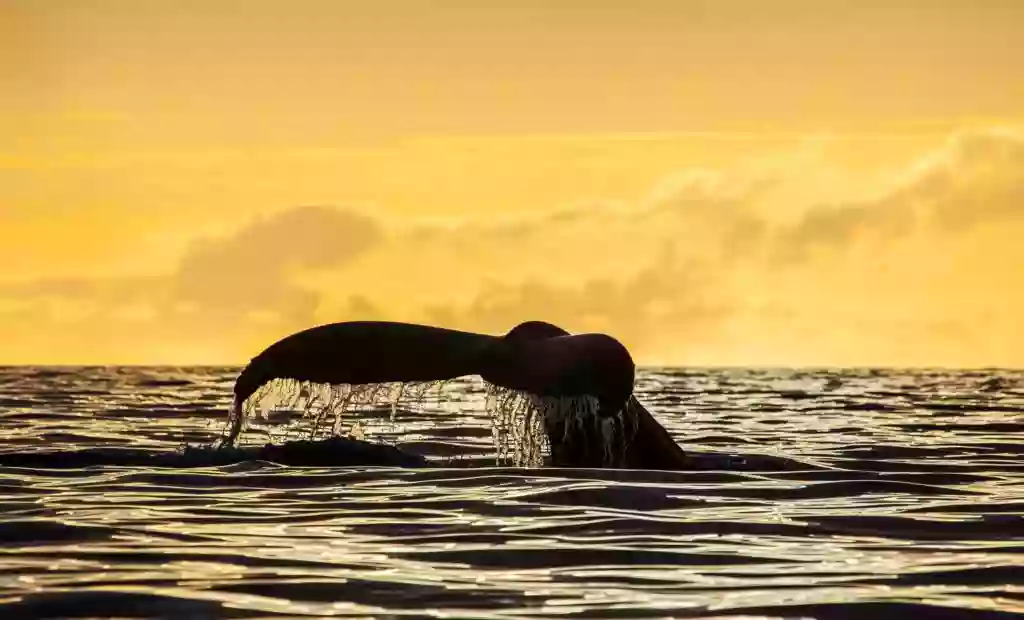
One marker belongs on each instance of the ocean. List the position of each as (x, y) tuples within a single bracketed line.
[(819, 494)]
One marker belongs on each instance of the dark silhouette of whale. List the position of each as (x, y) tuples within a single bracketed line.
[(540, 361), (535, 358)]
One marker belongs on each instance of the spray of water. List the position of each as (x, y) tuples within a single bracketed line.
[(288, 410), (516, 427), (521, 422)]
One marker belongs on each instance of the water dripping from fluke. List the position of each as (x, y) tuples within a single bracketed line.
[(554, 398)]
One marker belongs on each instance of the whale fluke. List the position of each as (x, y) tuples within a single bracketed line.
[(537, 359)]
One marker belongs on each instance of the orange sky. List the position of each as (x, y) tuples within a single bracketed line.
[(798, 182)]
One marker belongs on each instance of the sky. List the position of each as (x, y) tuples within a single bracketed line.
[(727, 182)]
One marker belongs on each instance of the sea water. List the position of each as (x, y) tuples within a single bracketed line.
[(827, 494)]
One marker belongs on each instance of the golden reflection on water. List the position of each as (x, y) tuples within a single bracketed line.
[(815, 490)]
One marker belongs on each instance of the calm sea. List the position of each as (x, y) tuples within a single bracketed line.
[(830, 494)]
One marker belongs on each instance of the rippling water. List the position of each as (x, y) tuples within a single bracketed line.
[(820, 494)]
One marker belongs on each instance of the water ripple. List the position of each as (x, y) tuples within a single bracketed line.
[(826, 494)]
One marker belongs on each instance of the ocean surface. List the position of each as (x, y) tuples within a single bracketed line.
[(828, 494)]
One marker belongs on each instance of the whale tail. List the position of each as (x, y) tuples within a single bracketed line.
[(574, 391)]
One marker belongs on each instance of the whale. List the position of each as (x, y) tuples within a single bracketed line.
[(535, 358), (579, 388)]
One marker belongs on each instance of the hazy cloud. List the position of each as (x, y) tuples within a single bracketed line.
[(252, 267), (664, 301), (925, 268), (975, 179), (912, 274), (226, 294)]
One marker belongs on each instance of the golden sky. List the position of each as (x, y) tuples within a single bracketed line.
[(769, 182)]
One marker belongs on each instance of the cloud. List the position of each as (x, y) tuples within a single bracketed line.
[(711, 266), (925, 270), (663, 300), (225, 296), (979, 180), (253, 266), (974, 179)]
